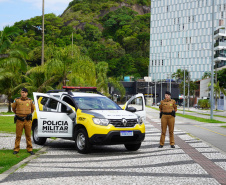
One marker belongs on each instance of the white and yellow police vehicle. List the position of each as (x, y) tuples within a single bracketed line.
[(88, 119)]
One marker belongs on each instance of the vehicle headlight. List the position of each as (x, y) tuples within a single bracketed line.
[(139, 120), (103, 122)]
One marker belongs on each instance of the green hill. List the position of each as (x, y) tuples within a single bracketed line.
[(115, 32)]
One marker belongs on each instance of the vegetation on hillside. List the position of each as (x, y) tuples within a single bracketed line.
[(91, 44)]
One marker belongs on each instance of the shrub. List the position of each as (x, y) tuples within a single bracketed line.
[(204, 104)]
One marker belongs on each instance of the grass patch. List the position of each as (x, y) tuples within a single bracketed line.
[(213, 115), (199, 119), (7, 124), (194, 117), (152, 107), (8, 159), (7, 113), (223, 126), (204, 113)]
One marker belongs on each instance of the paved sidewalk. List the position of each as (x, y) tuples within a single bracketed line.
[(191, 162)]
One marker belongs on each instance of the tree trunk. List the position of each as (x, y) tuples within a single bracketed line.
[(216, 103), (9, 100)]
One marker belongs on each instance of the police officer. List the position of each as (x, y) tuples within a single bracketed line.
[(23, 108), (167, 109)]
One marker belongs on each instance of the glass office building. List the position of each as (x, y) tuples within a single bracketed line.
[(181, 36)]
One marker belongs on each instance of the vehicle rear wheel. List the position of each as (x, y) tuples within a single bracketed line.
[(132, 147), (82, 141), (36, 139)]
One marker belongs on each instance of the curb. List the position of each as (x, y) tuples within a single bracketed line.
[(25, 161)]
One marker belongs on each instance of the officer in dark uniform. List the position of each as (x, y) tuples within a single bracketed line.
[(23, 108), (167, 109)]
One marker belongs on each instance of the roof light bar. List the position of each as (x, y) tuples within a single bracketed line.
[(81, 88)]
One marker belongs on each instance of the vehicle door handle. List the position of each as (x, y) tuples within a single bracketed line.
[(43, 118)]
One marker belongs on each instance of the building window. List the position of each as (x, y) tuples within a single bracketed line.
[(152, 62), (155, 62), (167, 8), (162, 62), (222, 14), (224, 6), (189, 19), (193, 18), (178, 54), (183, 26), (175, 21), (160, 42), (178, 20)]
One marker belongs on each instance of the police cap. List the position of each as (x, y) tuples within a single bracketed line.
[(167, 92), (24, 89)]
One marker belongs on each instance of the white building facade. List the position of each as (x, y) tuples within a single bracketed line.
[(181, 36)]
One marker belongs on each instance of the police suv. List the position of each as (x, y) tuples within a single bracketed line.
[(88, 118)]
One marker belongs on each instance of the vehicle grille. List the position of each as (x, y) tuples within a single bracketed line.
[(118, 122)]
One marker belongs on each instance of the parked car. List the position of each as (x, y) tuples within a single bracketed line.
[(196, 106)]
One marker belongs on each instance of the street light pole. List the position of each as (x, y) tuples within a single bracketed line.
[(72, 43), (42, 60), (161, 87), (188, 89), (170, 59), (155, 88), (212, 58), (184, 92)]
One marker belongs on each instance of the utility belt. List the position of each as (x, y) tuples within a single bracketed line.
[(168, 113), (28, 117)]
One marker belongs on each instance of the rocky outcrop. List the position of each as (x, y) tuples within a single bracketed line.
[(141, 10)]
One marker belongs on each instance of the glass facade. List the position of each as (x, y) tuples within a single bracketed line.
[(181, 35)]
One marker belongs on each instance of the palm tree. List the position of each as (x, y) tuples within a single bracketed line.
[(217, 90), (11, 78), (12, 64), (206, 75), (179, 74), (102, 79), (6, 37)]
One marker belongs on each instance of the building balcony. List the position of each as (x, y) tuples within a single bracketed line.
[(220, 44), (220, 64), (221, 32), (220, 55)]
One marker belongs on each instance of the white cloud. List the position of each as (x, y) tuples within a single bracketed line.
[(50, 5)]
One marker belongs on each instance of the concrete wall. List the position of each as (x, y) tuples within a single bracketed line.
[(204, 92)]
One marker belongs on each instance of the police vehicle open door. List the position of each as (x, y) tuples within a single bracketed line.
[(136, 104), (55, 118)]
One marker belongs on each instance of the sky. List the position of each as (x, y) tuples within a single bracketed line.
[(12, 11)]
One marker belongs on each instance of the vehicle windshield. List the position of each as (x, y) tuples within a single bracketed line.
[(95, 103)]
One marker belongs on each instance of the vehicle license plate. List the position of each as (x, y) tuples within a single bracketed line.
[(126, 133)]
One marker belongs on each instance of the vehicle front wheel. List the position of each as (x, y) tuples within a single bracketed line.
[(36, 139), (132, 147), (82, 141)]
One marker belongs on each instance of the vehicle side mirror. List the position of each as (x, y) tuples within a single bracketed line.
[(69, 110), (131, 109)]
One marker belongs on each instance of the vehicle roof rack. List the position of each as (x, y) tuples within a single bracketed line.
[(69, 90), (80, 89), (56, 91)]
